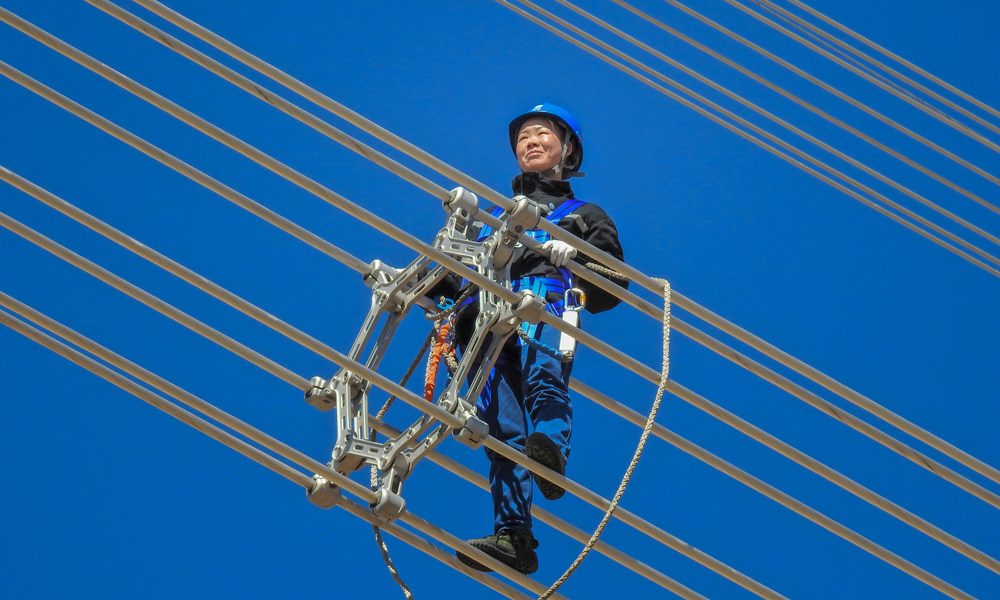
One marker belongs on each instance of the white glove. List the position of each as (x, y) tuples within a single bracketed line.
[(560, 252)]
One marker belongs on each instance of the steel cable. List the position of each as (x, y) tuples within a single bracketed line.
[(335, 199), (921, 460), (884, 119), (815, 110), (957, 126), (298, 113), (951, 123), (632, 365), (831, 40), (83, 342), (408, 397), (461, 178), (266, 460), (756, 129), (298, 382), (896, 58)]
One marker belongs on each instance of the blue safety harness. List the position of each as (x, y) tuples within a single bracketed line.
[(541, 286)]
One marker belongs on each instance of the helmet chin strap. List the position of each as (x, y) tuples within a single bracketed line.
[(556, 170)]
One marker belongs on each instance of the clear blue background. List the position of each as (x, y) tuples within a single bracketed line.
[(104, 496)]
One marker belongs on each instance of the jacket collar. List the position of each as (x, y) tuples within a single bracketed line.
[(541, 189)]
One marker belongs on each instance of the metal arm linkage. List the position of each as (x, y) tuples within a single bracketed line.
[(394, 292)]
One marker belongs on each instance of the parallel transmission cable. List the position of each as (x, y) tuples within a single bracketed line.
[(301, 383), (742, 133), (972, 134), (270, 462), (784, 124), (696, 335), (821, 113), (747, 337), (831, 39), (951, 123), (896, 58), (846, 98), (510, 453), (501, 200), (226, 342), (681, 327), (630, 365), (409, 397)]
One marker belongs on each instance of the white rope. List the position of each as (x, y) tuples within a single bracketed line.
[(815, 110), (255, 454), (951, 123), (756, 129), (553, 521), (856, 104), (647, 282), (896, 58), (830, 38), (423, 545), (650, 421)]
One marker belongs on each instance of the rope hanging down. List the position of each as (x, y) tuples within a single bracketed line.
[(383, 549), (642, 439)]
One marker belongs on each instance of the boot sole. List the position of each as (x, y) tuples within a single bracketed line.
[(541, 449), (527, 565)]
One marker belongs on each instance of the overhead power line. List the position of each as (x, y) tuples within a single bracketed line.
[(515, 456), (616, 290), (500, 200), (937, 115), (776, 120), (830, 39), (391, 387), (846, 98), (302, 384), (854, 131), (431, 528), (759, 131), (896, 58), (739, 359), (599, 346), (615, 356), (281, 468)]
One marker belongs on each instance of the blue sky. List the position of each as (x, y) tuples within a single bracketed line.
[(107, 497)]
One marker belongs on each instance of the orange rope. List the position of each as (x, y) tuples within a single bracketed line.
[(441, 346)]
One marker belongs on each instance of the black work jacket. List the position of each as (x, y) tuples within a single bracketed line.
[(588, 221)]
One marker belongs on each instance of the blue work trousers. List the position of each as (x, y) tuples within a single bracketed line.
[(527, 386)]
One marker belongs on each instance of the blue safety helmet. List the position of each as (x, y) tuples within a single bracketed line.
[(571, 163)]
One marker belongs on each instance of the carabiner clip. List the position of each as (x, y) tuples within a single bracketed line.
[(575, 300)]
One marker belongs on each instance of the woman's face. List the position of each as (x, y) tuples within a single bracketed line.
[(539, 147)]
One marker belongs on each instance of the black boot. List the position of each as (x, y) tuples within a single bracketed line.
[(542, 449), (514, 548)]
